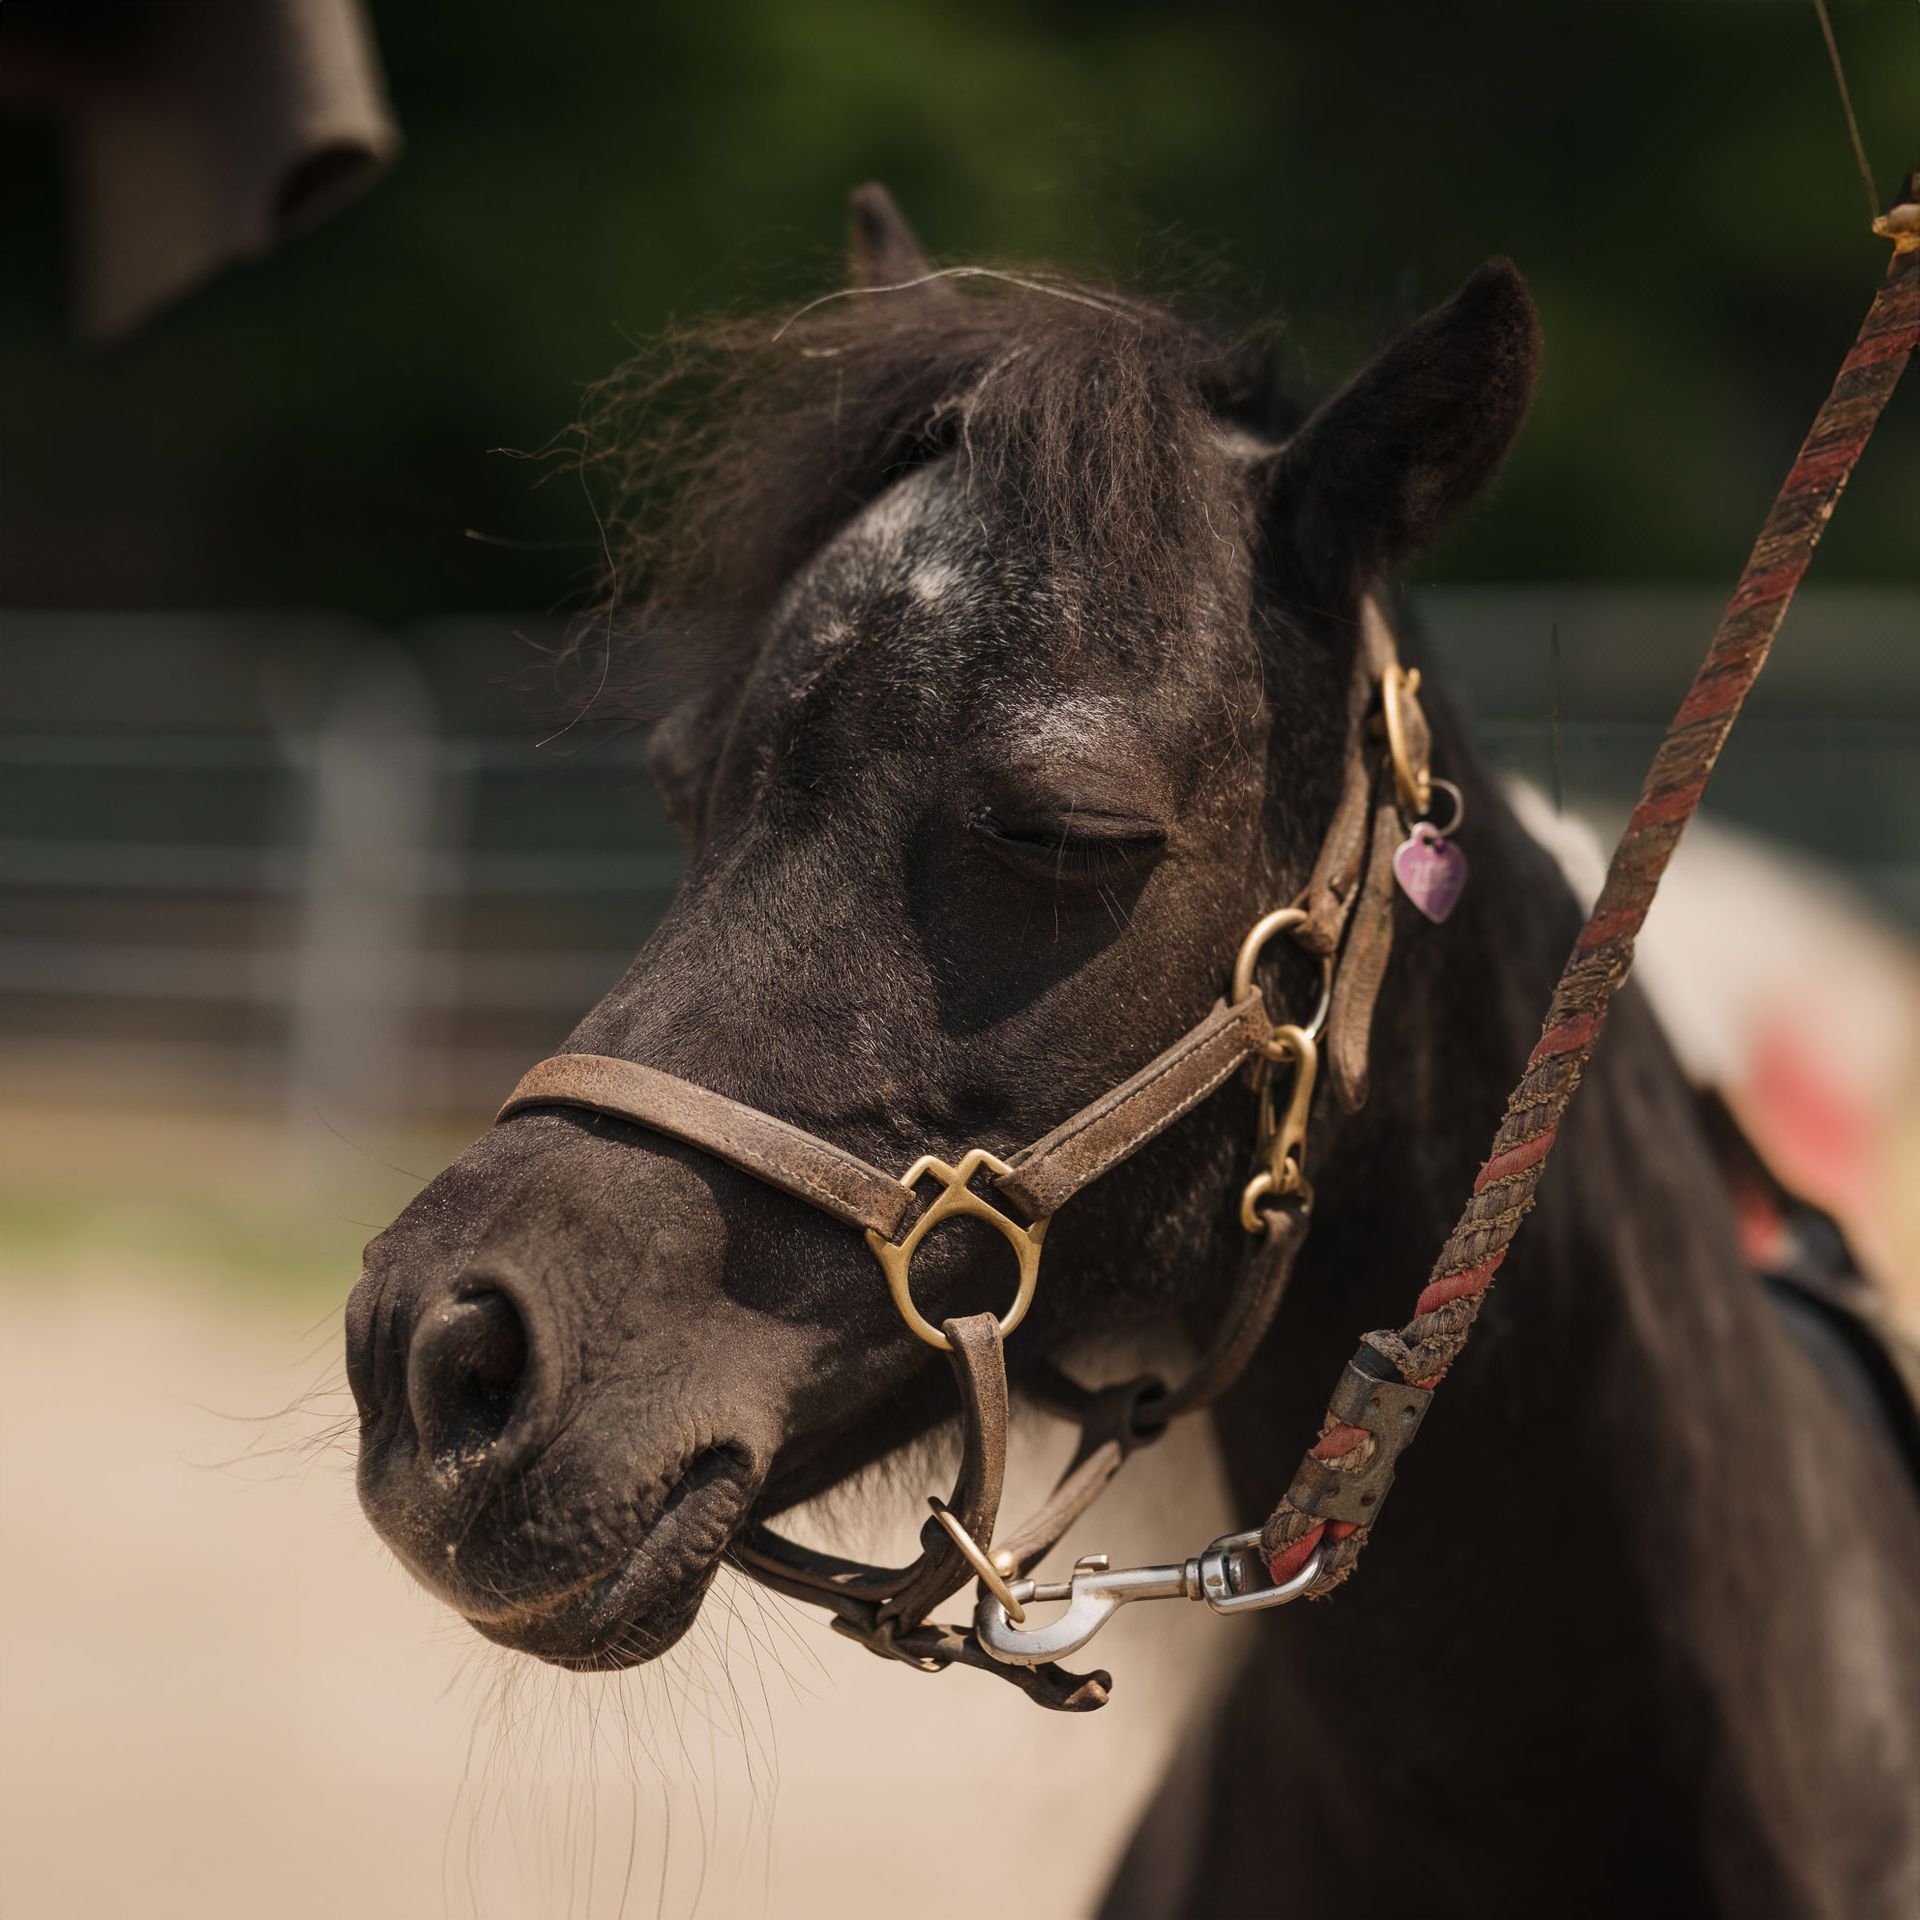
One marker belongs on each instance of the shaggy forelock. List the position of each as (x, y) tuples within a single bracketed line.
[(1084, 424)]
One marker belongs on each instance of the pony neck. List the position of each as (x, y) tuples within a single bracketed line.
[(1551, 1509)]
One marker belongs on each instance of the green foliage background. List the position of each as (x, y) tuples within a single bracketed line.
[(1671, 174)]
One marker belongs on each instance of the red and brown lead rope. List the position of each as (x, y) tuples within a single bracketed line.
[(1367, 1425)]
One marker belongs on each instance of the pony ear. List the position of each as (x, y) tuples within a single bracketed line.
[(1407, 445), (881, 249)]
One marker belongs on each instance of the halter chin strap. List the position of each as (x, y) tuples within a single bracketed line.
[(1346, 912)]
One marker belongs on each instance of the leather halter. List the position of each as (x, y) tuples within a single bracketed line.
[(1345, 912), (1311, 1540)]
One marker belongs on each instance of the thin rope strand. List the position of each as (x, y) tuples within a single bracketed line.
[(1846, 107)]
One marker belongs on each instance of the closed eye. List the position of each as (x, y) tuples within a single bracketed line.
[(1088, 847)]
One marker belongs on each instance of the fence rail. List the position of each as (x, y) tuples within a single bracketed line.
[(384, 902)]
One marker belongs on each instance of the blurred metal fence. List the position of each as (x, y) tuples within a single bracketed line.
[(267, 860), (286, 862)]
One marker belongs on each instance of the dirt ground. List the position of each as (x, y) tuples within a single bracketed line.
[(220, 1697), (223, 1699)]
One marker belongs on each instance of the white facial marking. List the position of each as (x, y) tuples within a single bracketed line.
[(933, 580)]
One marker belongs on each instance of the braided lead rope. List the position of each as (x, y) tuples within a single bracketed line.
[(1503, 1194)]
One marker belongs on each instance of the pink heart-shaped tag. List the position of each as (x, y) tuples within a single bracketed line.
[(1432, 872)]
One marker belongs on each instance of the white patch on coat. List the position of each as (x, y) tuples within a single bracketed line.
[(933, 581)]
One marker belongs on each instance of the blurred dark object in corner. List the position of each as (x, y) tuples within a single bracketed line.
[(199, 133)]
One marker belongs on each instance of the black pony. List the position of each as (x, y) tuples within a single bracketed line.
[(1009, 624)]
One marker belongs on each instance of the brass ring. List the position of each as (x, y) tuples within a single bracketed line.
[(1415, 788), (1264, 1186), (1256, 1190), (991, 1577), (957, 1197), (1278, 921), (1459, 800)]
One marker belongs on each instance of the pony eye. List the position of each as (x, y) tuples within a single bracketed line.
[(989, 826), (1090, 846)]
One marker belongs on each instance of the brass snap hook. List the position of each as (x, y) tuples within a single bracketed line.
[(1282, 1142), (1228, 1576)]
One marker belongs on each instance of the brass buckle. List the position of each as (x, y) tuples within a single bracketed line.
[(896, 1257)]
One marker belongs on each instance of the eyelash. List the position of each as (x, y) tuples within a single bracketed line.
[(1063, 853)]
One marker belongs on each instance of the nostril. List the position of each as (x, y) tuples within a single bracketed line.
[(466, 1368)]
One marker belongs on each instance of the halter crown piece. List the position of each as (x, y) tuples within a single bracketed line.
[(1344, 920)]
